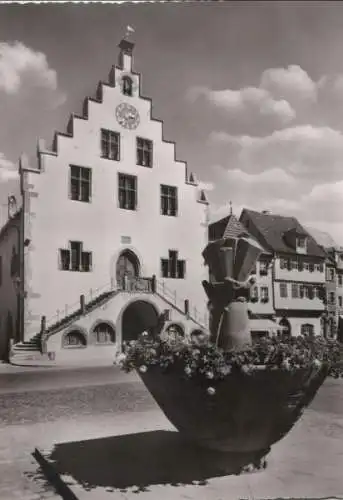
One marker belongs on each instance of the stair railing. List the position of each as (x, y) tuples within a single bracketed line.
[(171, 296), (69, 309), (140, 284)]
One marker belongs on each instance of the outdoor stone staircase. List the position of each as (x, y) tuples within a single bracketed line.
[(34, 344)]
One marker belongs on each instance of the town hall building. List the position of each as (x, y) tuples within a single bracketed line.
[(109, 232)]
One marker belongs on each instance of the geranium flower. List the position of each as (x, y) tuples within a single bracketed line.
[(211, 391), (120, 357), (188, 370), (143, 369), (286, 364), (225, 370), (209, 375)]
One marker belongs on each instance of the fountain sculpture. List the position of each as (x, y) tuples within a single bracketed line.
[(244, 410)]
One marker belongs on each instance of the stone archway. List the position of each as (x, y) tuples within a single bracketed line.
[(138, 317), (127, 265)]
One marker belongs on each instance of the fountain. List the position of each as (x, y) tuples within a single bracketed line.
[(228, 394)]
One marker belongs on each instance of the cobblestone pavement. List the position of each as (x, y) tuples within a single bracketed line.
[(307, 463), (46, 406), (84, 403)]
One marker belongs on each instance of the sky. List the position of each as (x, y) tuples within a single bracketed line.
[(252, 93)]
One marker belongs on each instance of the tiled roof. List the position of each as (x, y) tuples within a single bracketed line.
[(323, 239), (269, 229), (234, 228)]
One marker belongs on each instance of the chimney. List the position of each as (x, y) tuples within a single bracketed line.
[(125, 55), (266, 212)]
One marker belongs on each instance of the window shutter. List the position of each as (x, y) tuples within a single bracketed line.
[(86, 259), (64, 260), (164, 268), (181, 269)]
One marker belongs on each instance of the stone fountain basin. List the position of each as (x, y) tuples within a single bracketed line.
[(248, 413)]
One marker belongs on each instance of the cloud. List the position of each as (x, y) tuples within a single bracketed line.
[(245, 100), (308, 152), (8, 170), (291, 83), (22, 67)]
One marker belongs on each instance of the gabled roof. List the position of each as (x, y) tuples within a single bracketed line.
[(234, 228), (270, 231), (322, 238), (230, 227)]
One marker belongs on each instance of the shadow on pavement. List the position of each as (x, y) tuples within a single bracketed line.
[(144, 459)]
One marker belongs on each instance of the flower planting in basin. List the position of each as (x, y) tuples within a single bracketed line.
[(241, 400), (225, 392)]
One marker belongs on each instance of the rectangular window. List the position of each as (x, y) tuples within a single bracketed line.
[(294, 264), (307, 330), (332, 298), (86, 261), (340, 301), (340, 280), (64, 259), (144, 152), (74, 258), (254, 294), (173, 267), (181, 269), (306, 294), (306, 266), (316, 292), (75, 251), (80, 183), (263, 267), (330, 274), (283, 290), (295, 290), (110, 145), (264, 294), (301, 242), (283, 263), (127, 191), (169, 200)]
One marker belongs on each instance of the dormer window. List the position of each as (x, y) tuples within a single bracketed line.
[(301, 242), (126, 86)]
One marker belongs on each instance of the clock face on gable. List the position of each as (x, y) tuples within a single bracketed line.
[(127, 116)]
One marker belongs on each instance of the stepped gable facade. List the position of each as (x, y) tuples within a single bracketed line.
[(107, 206)]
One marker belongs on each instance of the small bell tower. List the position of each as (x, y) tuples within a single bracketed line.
[(126, 47)]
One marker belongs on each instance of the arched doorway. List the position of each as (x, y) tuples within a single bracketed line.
[(139, 316), (286, 327), (127, 265)]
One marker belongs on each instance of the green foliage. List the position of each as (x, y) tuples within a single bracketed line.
[(206, 360)]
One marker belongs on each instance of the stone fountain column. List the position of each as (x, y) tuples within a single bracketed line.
[(230, 262)]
